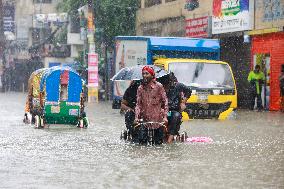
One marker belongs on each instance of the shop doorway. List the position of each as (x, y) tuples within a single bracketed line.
[(263, 59)]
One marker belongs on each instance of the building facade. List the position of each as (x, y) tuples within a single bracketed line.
[(34, 32), (267, 46), (250, 32)]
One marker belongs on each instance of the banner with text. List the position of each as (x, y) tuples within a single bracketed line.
[(197, 27), (231, 16), (93, 74)]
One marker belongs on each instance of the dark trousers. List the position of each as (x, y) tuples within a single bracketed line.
[(258, 101), (129, 120), (174, 120)]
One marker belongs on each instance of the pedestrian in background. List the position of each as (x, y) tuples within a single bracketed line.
[(281, 85), (256, 79)]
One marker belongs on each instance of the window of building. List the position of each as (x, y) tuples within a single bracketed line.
[(42, 1), (35, 35), (150, 3)]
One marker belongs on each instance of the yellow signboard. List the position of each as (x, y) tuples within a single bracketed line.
[(93, 94)]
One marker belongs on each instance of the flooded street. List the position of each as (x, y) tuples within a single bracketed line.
[(247, 152)]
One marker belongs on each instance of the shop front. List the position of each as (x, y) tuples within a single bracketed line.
[(268, 52)]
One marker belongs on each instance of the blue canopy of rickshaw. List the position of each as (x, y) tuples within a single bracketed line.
[(51, 82)]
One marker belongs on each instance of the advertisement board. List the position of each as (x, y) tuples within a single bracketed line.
[(93, 74), (8, 17), (93, 77), (42, 20), (231, 16), (130, 53), (197, 27)]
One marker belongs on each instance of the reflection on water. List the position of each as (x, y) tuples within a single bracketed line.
[(247, 152)]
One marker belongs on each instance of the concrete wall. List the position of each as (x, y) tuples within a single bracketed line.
[(24, 13), (263, 21), (158, 16), (153, 19), (47, 60), (204, 9), (168, 19)]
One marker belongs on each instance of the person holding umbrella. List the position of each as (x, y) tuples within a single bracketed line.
[(128, 105), (152, 102)]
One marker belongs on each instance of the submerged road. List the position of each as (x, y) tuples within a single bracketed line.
[(247, 152)]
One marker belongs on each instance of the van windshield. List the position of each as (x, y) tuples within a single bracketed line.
[(203, 75)]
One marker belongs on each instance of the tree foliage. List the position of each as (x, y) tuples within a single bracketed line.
[(112, 18)]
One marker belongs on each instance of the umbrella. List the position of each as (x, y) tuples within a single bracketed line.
[(135, 73)]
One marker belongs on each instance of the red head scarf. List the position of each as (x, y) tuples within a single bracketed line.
[(149, 69)]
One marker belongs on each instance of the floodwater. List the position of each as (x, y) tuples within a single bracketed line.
[(247, 152)]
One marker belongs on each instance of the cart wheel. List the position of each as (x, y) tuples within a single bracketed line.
[(42, 122), (25, 120), (37, 121), (85, 122), (81, 123), (123, 135)]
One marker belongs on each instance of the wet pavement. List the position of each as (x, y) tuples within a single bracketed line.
[(247, 152)]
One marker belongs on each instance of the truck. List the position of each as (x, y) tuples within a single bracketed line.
[(142, 50), (161, 51)]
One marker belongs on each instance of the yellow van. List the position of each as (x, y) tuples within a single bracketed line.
[(214, 93)]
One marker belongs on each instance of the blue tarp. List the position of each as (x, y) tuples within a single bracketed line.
[(51, 82), (178, 47), (177, 43), (184, 44)]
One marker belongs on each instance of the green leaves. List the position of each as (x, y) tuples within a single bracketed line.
[(112, 18)]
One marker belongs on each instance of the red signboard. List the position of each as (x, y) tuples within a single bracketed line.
[(197, 27), (93, 78)]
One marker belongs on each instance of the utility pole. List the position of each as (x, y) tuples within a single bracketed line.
[(2, 37), (2, 44), (93, 74)]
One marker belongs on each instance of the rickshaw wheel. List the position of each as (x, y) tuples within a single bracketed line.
[(42, 122), (123, 135), (85, 122), (37, 121), (80, 123), (183, 136)]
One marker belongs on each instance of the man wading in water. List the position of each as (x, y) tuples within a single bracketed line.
[(177, 94), (152, 103)]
